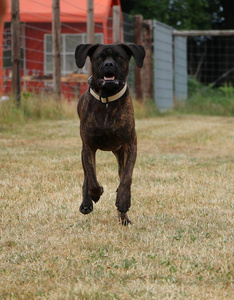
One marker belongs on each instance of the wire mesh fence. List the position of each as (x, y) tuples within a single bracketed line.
[(211, 59), (37, 54), (128, 33)]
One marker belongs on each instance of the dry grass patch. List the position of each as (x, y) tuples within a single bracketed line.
[(181, 243)]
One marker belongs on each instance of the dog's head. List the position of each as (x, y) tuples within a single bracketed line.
[(110, 64)]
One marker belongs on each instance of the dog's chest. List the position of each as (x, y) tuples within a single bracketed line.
[(108, 130)]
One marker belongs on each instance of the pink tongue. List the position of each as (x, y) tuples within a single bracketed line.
[(109, 78)]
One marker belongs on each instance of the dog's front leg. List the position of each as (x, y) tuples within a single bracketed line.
[(91, 188), (126, 158)]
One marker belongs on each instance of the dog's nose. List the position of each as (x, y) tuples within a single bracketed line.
[(108, 63)]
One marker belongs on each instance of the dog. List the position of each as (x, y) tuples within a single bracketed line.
[(107, 119)]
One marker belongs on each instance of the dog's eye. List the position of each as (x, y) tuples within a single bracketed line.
[(119, 57), (99, 58)]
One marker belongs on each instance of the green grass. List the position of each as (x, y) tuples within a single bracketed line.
[(180, 245)]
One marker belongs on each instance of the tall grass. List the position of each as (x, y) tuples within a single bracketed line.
[(202, 100), (207, 100), (145, 109), (35, 107), (45, 107)]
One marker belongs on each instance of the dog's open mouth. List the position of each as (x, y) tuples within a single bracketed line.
[(109, 78), (109, 81)]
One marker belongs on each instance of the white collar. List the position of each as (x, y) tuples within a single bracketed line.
[(111, 98)]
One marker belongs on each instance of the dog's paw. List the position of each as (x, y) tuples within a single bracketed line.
[(95, 194), (123, 218), (86, 209)]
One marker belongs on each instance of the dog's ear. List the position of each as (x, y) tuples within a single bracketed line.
[(82, 51), (137, 51)]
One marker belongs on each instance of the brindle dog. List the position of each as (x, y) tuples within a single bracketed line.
[(107, 119)]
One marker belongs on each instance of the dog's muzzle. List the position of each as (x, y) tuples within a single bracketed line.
[(110, 83)]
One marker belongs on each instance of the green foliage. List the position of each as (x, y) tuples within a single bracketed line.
[(194, 86), (201, 100), (228, 91), (181, 14), (208, 100), (190, 14), (157, 9)]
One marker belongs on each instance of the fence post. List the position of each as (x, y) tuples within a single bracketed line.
[(138, 72), (15, 55), (90, 28), (56, 28), (148, 83), (116, 24), (1, 57), (90, 22)]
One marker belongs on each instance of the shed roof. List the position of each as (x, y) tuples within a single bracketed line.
[(70, 10)]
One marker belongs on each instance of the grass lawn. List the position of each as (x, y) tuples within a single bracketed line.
[(180, 245)]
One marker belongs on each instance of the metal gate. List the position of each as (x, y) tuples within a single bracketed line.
[(180, 68), (163, 66), (170, 67)]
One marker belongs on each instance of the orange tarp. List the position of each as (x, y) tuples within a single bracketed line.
[(74, 11), (70, 10)]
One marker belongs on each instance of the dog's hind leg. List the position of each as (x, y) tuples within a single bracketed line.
[(91, 188)]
